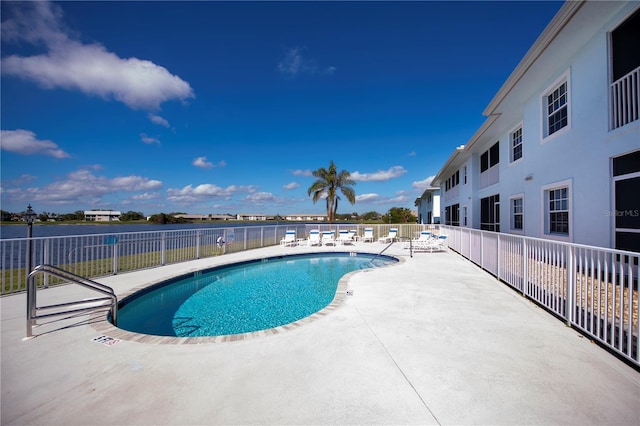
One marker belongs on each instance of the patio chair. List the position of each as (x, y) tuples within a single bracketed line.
[(344, 237), (423, 239), (393, 233), (289, 239), (328, 238), (368, 235), (314, 238), (436, 244)]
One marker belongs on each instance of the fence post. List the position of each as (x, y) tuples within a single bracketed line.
[(498, 257), (198, 244), (46, 260), (115, 258), (525, 266), (570, 286), (163, 248)]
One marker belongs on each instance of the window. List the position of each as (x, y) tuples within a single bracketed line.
[(626, 206), (516, 144), (452, 215), (464, 175), (453, 181), (517, 214), (464, 216), (558, 211), (555, 106), (489, 172), (490, 213), (490, 157)]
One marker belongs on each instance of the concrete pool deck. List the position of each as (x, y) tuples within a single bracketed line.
[(432, 340)]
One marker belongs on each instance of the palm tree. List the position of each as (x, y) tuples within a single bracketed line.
[(327, 184)]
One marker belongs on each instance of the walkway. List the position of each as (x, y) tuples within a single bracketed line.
[(433, 340)]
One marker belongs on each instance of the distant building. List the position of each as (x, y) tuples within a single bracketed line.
[(203, 217), (102, 215), (252, 216), (559, 154), (307, 217), (429, 206)]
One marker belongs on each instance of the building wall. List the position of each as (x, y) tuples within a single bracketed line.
[(578, 155)]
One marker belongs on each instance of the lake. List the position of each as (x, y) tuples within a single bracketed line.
[(20, 231)]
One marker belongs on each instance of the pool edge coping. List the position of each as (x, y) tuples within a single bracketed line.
[(101, 324)]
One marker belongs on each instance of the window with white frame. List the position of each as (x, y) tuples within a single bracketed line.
[(464, 175), (555, 106), (558, 211), (516, 144), (517, 214)]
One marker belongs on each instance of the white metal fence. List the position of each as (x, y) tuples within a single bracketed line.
[(593, 289), (97, 255)]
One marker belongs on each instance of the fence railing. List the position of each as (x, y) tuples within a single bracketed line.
[(97, 255), (593, 289)]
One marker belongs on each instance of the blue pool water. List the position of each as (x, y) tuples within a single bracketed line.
[(241, 298)]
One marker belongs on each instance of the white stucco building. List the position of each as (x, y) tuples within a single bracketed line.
[(429, 206), (102, 215), (559, 154)]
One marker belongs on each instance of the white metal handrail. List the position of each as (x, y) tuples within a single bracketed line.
[(61, 309)]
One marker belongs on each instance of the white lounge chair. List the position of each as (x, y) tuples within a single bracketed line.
[(314, 238), (423, 239), (368, 235), (328, 238), (289, 239), (436, 244), (393, 233), (344, 237)]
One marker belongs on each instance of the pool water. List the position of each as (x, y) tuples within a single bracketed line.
[(242, 298)]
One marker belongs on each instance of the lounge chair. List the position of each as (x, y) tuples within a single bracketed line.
[(368, 235), (289, 239), (344, 237), (435, 244), (314, 238), (425, 238), (328, 238), (393, 233)]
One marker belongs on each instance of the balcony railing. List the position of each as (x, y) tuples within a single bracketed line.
[(625, 99)]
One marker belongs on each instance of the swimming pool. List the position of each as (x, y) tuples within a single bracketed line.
[(242, 298)]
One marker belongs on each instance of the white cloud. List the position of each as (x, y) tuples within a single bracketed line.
[(294, 63), (262, 197), (363, 198), (189, 194), (423, 184), (203, 163), (25, 142), (89, 68), (299, 172), (156, 119), (380, 175), (291, 185), (146, 196), (82, 187), (148, 139)]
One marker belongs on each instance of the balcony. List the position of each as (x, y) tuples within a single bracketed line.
[(625, 95)]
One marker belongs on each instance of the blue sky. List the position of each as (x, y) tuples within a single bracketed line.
[(226, 107)]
